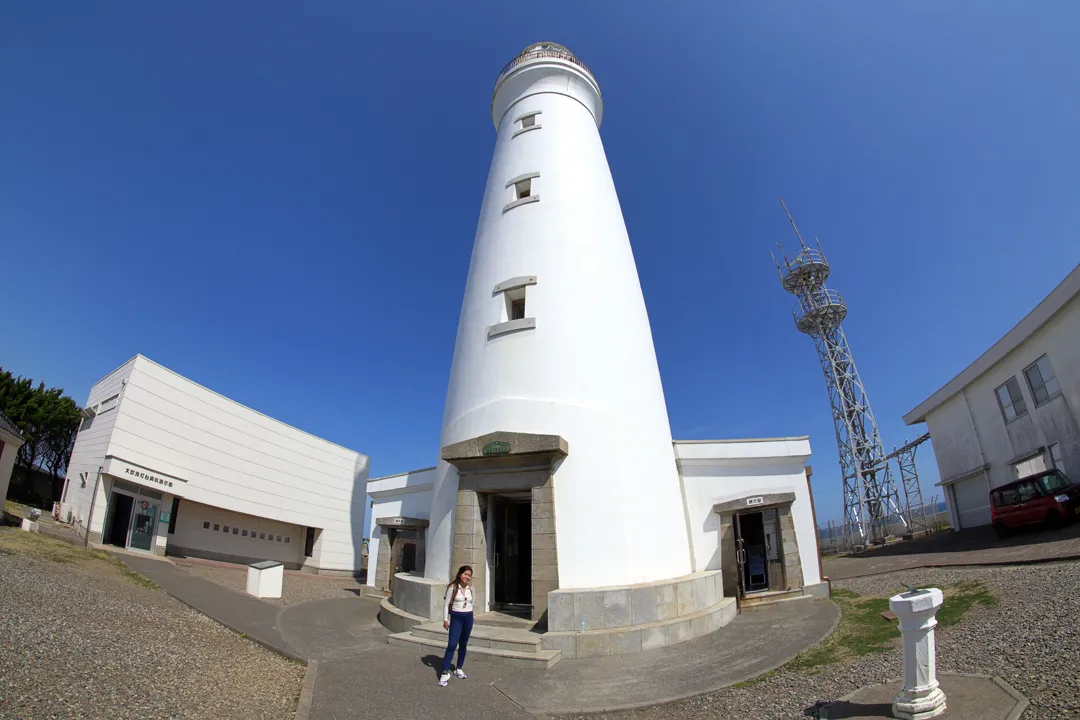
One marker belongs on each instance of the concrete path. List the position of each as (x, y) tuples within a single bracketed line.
[(977, 546), (752, 644), (360, 675)]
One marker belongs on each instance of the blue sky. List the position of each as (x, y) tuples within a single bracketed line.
[(278, 200)]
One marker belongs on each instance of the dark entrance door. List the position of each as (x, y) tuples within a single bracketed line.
[(117, 520), (752, 552), (512, 554)]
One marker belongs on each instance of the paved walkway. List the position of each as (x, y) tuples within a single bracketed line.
[(977, 546), (360, 675)]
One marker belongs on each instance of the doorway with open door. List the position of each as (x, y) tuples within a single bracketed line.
[(758, 552), (509, 528), (131, 517)]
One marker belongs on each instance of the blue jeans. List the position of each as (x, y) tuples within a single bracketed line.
[(460, 629)]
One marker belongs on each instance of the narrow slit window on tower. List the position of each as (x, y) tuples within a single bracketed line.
[(523, 189), (528, 121), (525, 123), (517, 309)]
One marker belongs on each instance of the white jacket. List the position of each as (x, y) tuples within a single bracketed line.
[(463, 600)]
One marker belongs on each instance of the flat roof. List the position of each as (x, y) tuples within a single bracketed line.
[(737, 440), (401, 474), (1058, 298), (234, 402)]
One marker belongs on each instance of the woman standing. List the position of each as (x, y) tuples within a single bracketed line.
[(458, 619)]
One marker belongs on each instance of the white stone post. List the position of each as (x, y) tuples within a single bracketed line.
[(920, 697), (265, 578)]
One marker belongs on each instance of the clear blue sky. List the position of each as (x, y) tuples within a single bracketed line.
[(278, 200)]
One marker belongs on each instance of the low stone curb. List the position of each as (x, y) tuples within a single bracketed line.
[(552, 712), (307, 692)]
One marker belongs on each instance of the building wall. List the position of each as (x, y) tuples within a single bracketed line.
[(716, 472), (406, 495), (969, 430), (587, 371), (9, 451), (219, 453), (91, 447), (191, 535)]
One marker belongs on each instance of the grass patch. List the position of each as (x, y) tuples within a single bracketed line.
[(17, 542), (754, 681), (862, 630)]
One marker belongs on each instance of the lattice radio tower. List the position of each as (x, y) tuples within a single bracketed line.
[(870, 497)]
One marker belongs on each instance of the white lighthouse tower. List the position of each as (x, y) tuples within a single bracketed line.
[(557, 468)]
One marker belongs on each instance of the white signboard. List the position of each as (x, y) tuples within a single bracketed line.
[(755, 501)]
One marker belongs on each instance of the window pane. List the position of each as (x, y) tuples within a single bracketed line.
[(1052, 387), (1052, 483), (1027, 491), (1003, 397)]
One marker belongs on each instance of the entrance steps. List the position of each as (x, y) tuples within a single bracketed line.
[(761, 600), (503, 645)]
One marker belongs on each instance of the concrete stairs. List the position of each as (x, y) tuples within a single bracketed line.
[(507, 646), (761, 600)]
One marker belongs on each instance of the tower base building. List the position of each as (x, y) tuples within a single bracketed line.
[(557, 478)]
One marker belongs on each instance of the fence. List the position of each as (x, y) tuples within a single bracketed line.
[(838, 538)]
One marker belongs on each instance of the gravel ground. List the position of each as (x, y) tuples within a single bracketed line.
[(295, 589), (1031, 639), (79, 639)]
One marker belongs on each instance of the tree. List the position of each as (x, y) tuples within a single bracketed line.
[(47, 419)]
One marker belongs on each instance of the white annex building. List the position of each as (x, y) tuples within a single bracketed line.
[(557, 478), (1013, 412), (162, 464)]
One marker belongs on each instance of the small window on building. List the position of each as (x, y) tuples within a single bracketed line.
[(235, 531), (244, 533), (528, 121), (108, 403), (523, 189), (309, 542), (279, 538), (216, 527), (262, 536), (206, 525), (1011, 400), (1041, 380), (224, 529), (517, 309), (287, 539)]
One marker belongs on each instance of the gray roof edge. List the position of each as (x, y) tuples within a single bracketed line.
[(9, 427), (1050, 306)]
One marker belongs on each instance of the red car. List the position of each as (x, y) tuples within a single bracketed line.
[(1047, 499)]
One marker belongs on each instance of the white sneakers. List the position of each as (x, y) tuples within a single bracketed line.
[(445, 677)]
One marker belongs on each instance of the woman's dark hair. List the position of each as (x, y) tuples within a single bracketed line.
[(457, 578)]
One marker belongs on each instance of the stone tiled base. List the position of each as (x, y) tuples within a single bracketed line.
[(630, 605), (419, 596), (638, 638)]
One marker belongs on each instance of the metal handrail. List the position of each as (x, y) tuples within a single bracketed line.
[(534, 54)]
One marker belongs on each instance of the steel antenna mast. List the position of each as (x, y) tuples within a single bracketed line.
[(870, 496)]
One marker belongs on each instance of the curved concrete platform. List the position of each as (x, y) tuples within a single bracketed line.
[(743, 649)]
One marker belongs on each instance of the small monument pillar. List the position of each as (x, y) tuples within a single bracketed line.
[(920, 697)]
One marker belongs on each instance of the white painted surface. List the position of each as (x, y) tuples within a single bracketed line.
[(255, 538), (265, 583), (9, 450), (965, 421), (217, 452), (406, 495), (30, 525), (972, 500), (723, 470), (919, 697), (588, 370)]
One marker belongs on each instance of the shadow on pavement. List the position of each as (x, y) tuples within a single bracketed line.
[(844, 709)]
